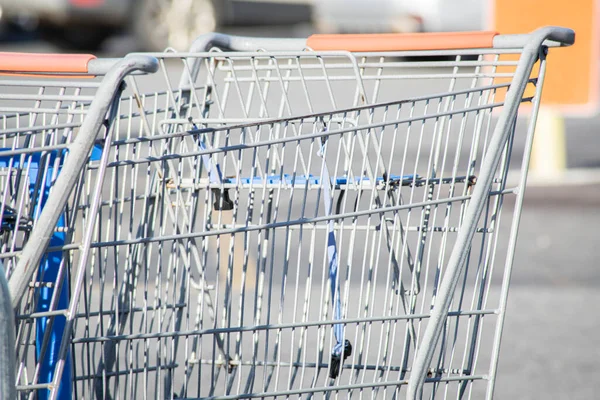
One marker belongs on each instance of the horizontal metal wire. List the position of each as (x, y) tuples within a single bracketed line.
[(130, 310), (301, 182), (39, 128), (350, 227), (430, 64), (131, 371), (244, 55), (44, 83), (46, 97), (43, 110), (361, 367), (237, 363), (339, 387), (33, 150), (34, 386), (367, 78), (283, 64), (257, 328), (52, 313)]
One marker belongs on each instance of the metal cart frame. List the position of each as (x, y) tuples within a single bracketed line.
[(189, 115)]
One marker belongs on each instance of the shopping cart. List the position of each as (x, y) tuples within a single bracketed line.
[(53, 109), (281, 217)]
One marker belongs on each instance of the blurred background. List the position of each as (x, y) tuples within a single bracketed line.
[(551, 343), (153, 25)]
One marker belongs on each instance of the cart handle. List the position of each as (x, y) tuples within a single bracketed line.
[(25, 63), (402, 41), (48, 65), (554, 36)]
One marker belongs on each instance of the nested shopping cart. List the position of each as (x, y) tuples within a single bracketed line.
[(265, 218), (53, 107)]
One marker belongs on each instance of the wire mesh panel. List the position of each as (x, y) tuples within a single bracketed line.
[(268, 224), (209, 271)]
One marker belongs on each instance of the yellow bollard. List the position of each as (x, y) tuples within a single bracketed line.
[(549, 152), (238, 275)]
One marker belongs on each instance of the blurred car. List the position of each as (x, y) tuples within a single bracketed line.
[(359, 16), (156, 24), (362, 16)]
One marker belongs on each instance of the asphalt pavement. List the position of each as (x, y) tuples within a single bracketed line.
[(551, 340)]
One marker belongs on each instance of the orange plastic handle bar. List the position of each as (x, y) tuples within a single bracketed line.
[(49, 63), (402, 41)]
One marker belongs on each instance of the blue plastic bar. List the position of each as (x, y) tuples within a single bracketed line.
[(290, 180)]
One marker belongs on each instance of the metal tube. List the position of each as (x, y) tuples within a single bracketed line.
[(101, 66), (244, 43), (553, 37)]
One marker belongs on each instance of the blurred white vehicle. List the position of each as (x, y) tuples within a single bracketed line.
[(450, 15), (357, 16)]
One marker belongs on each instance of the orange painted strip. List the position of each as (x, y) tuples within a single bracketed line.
[(402, 41), (32, 75), (87, 3), (52, 63)]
